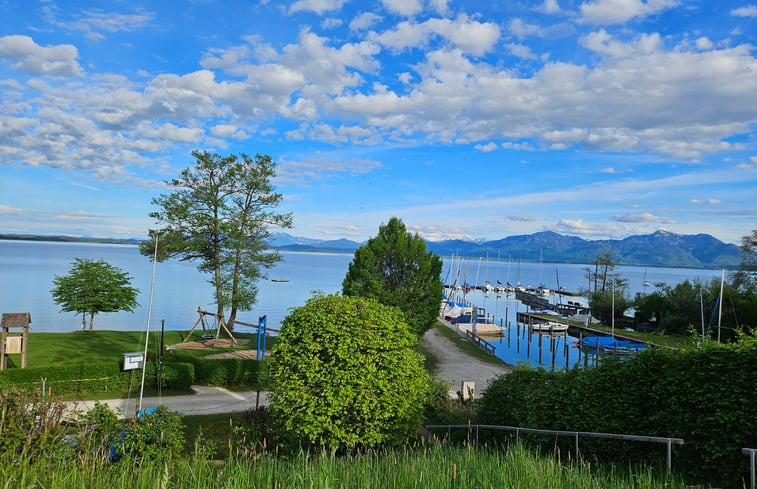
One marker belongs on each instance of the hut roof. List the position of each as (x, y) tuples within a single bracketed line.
[(16, 319)]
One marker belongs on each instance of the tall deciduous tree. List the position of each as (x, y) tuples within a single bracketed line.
[(220, 215), (394, 268), (745, 278), (345, 375), (92, 287)]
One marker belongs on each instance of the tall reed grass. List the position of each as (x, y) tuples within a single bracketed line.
[(423, 467)]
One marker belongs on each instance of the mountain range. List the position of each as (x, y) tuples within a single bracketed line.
[(659, 249)]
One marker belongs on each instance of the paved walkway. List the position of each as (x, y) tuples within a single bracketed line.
[(454, 366), (205, 400)]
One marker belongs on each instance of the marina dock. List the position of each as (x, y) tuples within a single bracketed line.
[(577, 331)]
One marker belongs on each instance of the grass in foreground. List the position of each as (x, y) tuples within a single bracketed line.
[(435, 467)]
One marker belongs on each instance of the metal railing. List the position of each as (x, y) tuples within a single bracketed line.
[(751, 452), (577, 434), (482, 343)]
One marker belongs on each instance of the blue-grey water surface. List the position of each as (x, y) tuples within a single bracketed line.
[(27, 269)]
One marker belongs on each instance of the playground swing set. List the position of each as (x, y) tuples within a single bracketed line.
[(220, 324)]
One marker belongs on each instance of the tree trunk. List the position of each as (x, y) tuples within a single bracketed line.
[(91, 322)]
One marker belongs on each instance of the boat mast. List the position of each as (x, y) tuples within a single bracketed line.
[(612, 330), (147, 336), (720, 302), (701, 308)]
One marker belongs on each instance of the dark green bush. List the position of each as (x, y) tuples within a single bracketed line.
[(178, 376), (227, 371), (30, 428), (68, 378), (707, 397), (157, 436), (98, 430)]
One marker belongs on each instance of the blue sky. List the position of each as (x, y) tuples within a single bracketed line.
[(466, 119)]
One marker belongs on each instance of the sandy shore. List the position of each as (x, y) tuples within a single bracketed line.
[(456, 366)]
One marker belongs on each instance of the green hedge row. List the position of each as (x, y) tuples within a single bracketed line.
[(97, 377), (707, 397), (227, 371), (68, 378)]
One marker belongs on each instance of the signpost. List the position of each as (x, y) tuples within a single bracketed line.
[(134, 360)]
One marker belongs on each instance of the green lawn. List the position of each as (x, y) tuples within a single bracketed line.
[(81, 346)]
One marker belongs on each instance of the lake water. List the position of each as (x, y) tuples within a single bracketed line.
[(27, 269)]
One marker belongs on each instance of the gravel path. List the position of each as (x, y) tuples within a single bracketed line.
[(456, 366)]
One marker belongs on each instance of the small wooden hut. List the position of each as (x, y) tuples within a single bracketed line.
[(14, 342)]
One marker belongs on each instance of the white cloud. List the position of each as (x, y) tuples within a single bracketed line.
[(706, 201), (520, 51), (518, 146), (746, 11), (405, 8), (550, 7), (486, 148), (8, 209), (604, 43), (331, 23), (521, 29), (26, 55), (704, 43), (579, 227), (228, 131), (317, 6), (471, 36), (366, 20), (608, 12), (439, 6), (319, 169), (645, 217), (97, 20), (94, 22)]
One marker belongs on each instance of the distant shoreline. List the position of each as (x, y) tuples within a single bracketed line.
[(69, 239), (136, 242)]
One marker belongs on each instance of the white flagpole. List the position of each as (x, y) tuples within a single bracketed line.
[(149, 313)]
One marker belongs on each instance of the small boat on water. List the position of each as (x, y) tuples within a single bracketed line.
[(476, 321), (611, 345), (550, 326), (451, 310), (481, 329)]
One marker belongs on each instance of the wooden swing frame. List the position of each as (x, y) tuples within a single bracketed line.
[(220, 323)]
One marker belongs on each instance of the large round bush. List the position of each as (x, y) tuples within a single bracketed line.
[(345, 374)]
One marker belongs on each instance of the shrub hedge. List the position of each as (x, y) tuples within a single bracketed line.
[(68, 378), (707, 397), (102, 377), (227, 371)]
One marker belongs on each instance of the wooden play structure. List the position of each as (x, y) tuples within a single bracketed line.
[(220, 323), (14, 342), (208, 334)]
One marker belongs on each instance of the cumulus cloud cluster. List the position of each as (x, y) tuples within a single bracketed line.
[(634, 92)]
